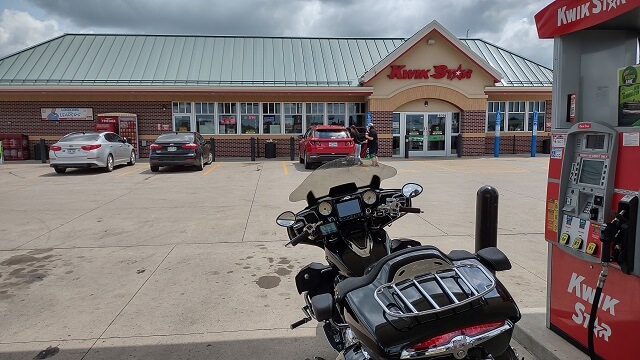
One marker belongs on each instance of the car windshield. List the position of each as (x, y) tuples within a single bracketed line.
[(80, 137), (338, 172), (330, 134), (176, 137)]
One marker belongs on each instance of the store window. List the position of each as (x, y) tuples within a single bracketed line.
[(516, 116), (249, 118), (205, 118), (455, 131), (493, 107), (336, 113), (314, 114), (357, 114), (293, 118), (271, 115), (181, 116), (540, 107), (227, 118)]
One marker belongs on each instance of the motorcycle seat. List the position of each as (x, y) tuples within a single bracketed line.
[(353, 283)]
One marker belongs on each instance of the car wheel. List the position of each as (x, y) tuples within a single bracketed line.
[(307, 163), (200, 165), (154, 168), (60, 170), (132, 159), (109, 167), (210, 160)]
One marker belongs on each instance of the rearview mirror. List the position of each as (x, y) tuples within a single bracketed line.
[(411, 190), (286, 219), (125, 140)]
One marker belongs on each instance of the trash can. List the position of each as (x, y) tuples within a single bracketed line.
[(546, 146), (36, 152), (270, 149)]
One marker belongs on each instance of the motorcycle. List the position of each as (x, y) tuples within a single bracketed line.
[(383, 298)]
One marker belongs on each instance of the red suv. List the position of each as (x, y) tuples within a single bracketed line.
[(325, 143)]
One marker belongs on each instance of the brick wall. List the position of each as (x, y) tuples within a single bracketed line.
[(472, 121), (513, 144)]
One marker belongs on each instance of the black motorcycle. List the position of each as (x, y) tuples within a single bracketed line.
[(393, 299)]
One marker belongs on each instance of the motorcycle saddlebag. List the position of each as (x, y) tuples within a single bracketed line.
[(419, 293)]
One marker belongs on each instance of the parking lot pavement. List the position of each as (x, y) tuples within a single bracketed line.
[(190, 264)]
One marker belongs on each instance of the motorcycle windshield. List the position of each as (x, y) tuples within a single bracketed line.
[(338, 172)]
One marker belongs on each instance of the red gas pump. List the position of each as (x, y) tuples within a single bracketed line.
[(594, 177)]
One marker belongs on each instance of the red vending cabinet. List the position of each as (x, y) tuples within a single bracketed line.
[(124, 124), (15, 146), (106, 122)]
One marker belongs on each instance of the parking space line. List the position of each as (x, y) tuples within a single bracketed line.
[(284, 168), (129, 172), (428, 164), (211, 169)]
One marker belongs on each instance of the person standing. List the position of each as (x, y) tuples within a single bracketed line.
[(372, 137), (353, 131)]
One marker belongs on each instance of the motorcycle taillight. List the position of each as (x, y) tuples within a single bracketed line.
[(444, 339)]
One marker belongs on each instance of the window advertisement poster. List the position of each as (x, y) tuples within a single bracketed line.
[(66, 114), (628, 96)]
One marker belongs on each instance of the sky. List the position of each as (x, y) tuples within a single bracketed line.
[(505, 23)]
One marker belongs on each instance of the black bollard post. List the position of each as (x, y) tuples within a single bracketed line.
[(406, 146), (486, 217), (212, 145), (292, 148), (252, 144), (43, 151)]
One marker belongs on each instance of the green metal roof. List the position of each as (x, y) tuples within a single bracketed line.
[(156, 60), (86, 59)]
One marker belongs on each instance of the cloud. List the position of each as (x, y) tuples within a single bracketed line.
[(497, 21), (19, 30)]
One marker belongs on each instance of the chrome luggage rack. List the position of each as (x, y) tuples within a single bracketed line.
[(438, 277)]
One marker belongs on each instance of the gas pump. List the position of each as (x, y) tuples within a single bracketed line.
[(593, 278)]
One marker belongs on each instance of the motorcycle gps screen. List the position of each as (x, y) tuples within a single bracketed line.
[(348, 208), (329, 228)]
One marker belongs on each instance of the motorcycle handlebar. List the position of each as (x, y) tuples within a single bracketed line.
[(410, 210), (304, 235)]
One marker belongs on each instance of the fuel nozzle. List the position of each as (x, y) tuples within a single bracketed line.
[(611, 234)]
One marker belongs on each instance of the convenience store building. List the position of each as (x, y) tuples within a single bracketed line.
[(427, 89)]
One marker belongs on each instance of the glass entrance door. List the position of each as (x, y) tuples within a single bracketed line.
[(436, 134), (415, 132), (424, 134)]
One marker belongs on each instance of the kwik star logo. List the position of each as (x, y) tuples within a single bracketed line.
[(439, 72)]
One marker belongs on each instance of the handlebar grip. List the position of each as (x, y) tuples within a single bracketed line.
[(300, 238), (410, 210)]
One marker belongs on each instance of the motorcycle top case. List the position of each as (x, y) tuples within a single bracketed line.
[(387, 334)]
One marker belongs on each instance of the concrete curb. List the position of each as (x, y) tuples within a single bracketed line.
[(532, 333)]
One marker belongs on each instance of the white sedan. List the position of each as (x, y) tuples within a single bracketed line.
[(91, 149)]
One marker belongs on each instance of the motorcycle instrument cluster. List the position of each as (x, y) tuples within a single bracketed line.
[(349, 209), (325, 208), (369, 197)]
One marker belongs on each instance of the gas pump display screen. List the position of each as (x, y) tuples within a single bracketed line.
[(591, 172), (595, 142)]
